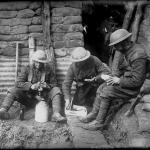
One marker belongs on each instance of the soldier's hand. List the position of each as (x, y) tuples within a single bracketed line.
[(35, 86), (113, 81), (44, 85)]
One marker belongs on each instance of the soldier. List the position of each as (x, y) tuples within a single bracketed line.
[(124, 87), (86, 71), (32, 77)]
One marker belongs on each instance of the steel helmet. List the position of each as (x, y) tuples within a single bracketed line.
[(118, 36), (40, 56), (80, 54)]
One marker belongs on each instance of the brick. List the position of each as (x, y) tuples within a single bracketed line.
[(57, 20), (38, 11)]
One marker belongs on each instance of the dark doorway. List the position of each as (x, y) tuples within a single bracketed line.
[(98, 20)]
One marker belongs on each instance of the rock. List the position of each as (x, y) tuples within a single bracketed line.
[(66, 11), (26, 13), (8, 14)]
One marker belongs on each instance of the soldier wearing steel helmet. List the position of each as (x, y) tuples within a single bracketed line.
[(125, 86), (32, 77), (86, 71)]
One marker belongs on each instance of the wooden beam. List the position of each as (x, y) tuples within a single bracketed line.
[(135, 24), (46, 21)]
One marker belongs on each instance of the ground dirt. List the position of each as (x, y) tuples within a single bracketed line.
[(28, 133)]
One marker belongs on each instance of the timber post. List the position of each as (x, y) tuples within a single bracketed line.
[(46, 22)]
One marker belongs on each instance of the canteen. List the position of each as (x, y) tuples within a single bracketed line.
[(41, 112)]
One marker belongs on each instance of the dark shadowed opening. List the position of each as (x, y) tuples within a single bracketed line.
[(99, 20)]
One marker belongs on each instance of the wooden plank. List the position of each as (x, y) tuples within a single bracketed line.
[(47, 34)]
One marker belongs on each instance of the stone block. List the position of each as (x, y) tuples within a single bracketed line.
[(19, 29), (67, 28), (37, 20), (8, 14), (35, 5), (4, 29), (74, 36), (74, 4), (26, 13), (66, 11), (59, 44), (14, 5), (35, 28), (17, 37), (74, 43)]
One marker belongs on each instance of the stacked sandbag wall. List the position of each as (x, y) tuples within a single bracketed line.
[(18, 21), (66, 30)]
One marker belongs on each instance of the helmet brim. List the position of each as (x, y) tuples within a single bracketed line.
[(82, 59), (41, 61), (121, 39)]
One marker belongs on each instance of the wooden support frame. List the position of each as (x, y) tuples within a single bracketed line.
[(46, 22)]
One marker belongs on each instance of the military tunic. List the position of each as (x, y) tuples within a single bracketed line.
[(85, 91)]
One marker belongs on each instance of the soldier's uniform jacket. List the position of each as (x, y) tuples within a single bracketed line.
[(132, 76), (84, 90), (29, 75)]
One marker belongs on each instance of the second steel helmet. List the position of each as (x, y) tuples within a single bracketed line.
[(118, 36)]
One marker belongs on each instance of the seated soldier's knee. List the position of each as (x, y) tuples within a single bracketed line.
[(55, 91)]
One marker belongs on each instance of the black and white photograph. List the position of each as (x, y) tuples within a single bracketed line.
[(74, 74)]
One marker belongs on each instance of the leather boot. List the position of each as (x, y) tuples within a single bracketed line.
[(7, 103), (98, 124), (56, 104), (4, 115), (92, 115)]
